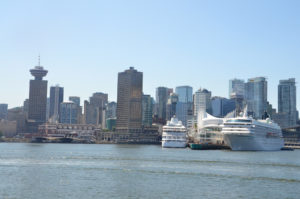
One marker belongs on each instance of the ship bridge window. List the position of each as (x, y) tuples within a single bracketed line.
[(239, 120)]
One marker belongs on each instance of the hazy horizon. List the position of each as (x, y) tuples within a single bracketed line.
[(203, 44)]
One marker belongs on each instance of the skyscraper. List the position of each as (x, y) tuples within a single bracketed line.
[(184, 106), (93, 110), (56, 98), (162, 95), (69, 113), (171, 105), (37, 99), (256, 95), (75, 99), (222, 106), (185, 94), (111, 110), (236, 87), (147, 110), (287, 100), (26, 107), (48, 109), (202, 101), (3, 111), (129, 105)]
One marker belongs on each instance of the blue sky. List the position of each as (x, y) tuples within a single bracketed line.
[(84, 44)]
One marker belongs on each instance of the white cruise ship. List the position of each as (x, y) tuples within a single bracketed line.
[(174, 134), (247, 134)]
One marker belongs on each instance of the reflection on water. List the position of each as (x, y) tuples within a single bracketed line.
[(138, 171)]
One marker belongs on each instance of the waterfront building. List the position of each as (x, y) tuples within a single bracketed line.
[(287, 102), (8, 128), (3, 111), (56, 98), (149, 136), (37, 99), (81, 131), (69, 113), (147, 110), (171, 105), (93, 109), (222, 106), (19, 116), (202, 101), (236, 87), (256, 96), (191, 123), (162, 95), (291, 136), (129, 105), (111, 123), (185, 103)]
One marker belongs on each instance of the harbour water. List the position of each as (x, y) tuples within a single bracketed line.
[(76, 171)]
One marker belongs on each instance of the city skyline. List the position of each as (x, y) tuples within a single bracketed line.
[(204, 46), (273, 100)]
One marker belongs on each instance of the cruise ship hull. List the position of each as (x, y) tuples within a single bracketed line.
[(173, 144), (248, 142)]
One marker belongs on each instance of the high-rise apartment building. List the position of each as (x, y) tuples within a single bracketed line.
[(184, 107), (75, 99), (69, 113), (56, 98), (171, 105), (287, 103), (256, 96), (111, 110), (26, 106), (37, 99), (3, 111), (147, 110), (185, 94), (236, 87), (162, 95), (48, 109), (93, 110), (202, 101), (17, 114), (222, 106), (129, 105)]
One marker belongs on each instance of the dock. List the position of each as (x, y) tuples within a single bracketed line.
[(207, 146)]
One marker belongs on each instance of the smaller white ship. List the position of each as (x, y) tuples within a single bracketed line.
[(174, 134)]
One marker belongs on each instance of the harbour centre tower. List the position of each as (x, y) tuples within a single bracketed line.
[(37, 99)]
